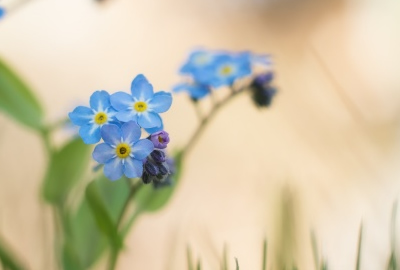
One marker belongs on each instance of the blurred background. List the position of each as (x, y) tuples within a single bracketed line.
[(331, 138)]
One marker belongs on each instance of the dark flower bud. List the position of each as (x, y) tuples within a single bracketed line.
[(163, 169), (158, 156), (262, 91), (151, 168), (146, 178)]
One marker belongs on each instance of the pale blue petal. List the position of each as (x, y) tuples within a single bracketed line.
[(141, 89), (149, 120), (126, 116), (133, 168), (100, 100), (130, 132), (113, 169), (103, 152), (142, 149), (90, 133), (154, 129), (160, 102), (111, 134), (81, 115), (121, 101)]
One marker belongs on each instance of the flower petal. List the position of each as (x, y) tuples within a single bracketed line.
[(130, 132), (142, 149), (111, 134), (100, 100), (103, 152), (81, 115), (90, 133), (121, 101), (154, 129), (113, 169), (126, 116), (133, 168), (141, 89), (149, 120), (160, 102)]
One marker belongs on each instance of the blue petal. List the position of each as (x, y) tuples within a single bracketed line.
[(90, 133), (142, 149), (160, 102), (141, 89), (121, 101), (113, 169), (2, 12), (100, 100), (130, 132), (111, 134), (149, 120), (103, 152), (154, 129), (126, 116), (180, 87), (133, 168), (81, 115)]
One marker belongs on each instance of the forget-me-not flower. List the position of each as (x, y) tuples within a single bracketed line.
[(226, 69), (143, 105), (2, 12), (196, 91), (92, 119), (122, 152)]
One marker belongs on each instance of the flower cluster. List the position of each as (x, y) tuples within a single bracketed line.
[(118, 120), (208, 70)]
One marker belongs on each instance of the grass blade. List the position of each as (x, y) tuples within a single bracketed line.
[(237, 264), (264, 257), (359, 248), (189, 258)]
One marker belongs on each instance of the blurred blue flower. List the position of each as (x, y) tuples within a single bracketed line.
[(196, 91), (2, 12), (226, 69), (122, 152), (198, 60), (143, 106), (92, 119)]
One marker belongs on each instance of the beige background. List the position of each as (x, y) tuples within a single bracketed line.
[(331, 136)]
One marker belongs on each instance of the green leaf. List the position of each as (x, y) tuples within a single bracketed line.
[(8, 259), (103, 218), (17, 99), (87, 242), (149, 199), (66, 168)]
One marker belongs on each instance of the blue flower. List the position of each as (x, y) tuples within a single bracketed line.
[(226, 69), (143, 106), (122, 152), (92, 119), (196, 91), (2, 12), (198, 60)]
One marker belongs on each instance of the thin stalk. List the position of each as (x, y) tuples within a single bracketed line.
[(264, 257), (206, 120), (359, 249), (315, 251)]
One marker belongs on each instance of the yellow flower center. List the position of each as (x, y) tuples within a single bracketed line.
[(140, 106), (160, 139), (123, 150), (226, 70), (100, 118)]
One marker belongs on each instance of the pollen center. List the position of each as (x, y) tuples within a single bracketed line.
[(140, 106), (123, 150), (100, 118), (226, 70)]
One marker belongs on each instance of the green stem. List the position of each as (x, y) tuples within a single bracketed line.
[(206, 120)]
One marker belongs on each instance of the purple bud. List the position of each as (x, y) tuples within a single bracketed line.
[(163, 169), (158, 156), (160, 139), (146, 178), (150, 168)]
